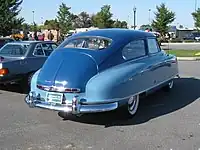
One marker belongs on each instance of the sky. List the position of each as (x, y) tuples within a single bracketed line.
[(123, 10)]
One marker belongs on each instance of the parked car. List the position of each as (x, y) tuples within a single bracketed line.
[(193, 36), (102, 70), (4, 40), (20, 60)]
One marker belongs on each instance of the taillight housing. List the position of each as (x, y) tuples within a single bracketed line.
[(57, 89), (4, 71)]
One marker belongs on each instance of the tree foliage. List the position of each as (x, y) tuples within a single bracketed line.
[(120, 24), (83, 20), (9, 19), (65, 19), (163, 17), (103, 19), (196, 17), (51, 24)]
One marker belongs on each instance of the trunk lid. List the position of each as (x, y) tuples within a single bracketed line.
[(7, 58), (69, 69)]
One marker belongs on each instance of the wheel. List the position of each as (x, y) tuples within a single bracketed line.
[(26, 83), (29, 79), (169, 86), (132, 106)]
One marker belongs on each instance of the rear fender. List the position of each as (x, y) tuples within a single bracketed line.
[(115, 83), (34, 80)]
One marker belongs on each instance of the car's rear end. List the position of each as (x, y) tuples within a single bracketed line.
[(61, 83), (11, 62)]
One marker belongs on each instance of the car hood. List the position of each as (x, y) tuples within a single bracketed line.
[(68, 69)]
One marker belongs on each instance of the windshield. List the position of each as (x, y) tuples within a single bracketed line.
[(92, 43), (14, 50)]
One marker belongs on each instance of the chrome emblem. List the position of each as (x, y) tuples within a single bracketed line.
[(63, 83)]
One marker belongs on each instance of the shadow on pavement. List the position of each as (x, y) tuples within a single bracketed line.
[(185, 92), (13, 88)]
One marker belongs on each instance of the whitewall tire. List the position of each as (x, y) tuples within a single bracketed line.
[(169, 86), (132, 106)]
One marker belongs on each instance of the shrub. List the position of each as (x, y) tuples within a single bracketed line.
[(189, 41), (176, 41)]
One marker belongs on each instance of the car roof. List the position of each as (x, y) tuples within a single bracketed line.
[(31, 42), (116, 33), (5, 38)]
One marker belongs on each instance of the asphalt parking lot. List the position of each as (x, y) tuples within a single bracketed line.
[(167, 121)]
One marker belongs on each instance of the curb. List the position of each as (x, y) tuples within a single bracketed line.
[(197, 43), (188, 58)]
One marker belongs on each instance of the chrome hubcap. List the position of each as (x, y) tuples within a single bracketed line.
[(133, 104), (29, 79), (171, 84)]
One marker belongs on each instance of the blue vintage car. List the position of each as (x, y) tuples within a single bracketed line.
[(102, 70)]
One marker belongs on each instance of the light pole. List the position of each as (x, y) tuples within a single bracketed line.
[(134, 17), (33, 16), (195, 5), (149, 16), (42, 20)]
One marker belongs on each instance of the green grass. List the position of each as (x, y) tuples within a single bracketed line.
[(184, 53)]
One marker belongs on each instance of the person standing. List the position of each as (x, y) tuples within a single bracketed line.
[(50, 36)]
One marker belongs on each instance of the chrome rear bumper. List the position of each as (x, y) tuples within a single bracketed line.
[(74, 108)]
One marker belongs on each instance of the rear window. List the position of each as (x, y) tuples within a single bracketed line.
[(92, 43), (14, 50)]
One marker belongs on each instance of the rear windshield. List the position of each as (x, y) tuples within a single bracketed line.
[(14, 50), (92, 43)]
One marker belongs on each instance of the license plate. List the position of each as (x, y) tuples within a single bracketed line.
[(55, 98)]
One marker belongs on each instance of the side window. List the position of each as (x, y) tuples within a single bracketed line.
[(134, 49), (48, 48), (54, 46), (38, 50), (153, 46)]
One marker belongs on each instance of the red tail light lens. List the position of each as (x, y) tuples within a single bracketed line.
[(4, 71), (56, 89)]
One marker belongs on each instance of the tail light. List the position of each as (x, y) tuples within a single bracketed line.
[(57, 89), (4, 71)]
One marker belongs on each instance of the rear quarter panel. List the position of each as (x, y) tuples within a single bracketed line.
[(34, 63), (118, 82), (129, 78)]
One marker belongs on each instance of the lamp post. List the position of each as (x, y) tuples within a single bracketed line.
[(134, 17), (195, 5), (33, 16), (149, 16), (42, 22)]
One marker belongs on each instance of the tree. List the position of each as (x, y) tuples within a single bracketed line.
[(103, 19), (8, 17), (145, 26), (83, 20), (65, 19), (196, 17), (120, 24), (51, 24), (163, 17)]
